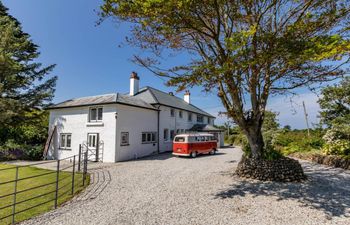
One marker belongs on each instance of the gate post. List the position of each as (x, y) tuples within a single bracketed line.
[(79, 157), (57, 179), (73, 173), (14, 198)]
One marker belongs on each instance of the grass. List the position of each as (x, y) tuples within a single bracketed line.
[(65, 185)]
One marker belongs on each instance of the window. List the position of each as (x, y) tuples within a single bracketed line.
[(172, 134), (166, 134), (148, 137), (189, 116), (178, 131), (65, 141), (208, 120), (172, 112), (95, 114), (180, 114), (180, 139), (124, 138), (199, 118)]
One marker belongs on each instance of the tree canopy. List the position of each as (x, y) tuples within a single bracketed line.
[(335, 103), (24, 85), (243, 50), (25, 88)]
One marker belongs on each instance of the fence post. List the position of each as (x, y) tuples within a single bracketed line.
[(14, 197), (85, 166), (79, 157), (57, 179), (73, 173)]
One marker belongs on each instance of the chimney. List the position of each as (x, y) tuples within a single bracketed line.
[(134, 84), (187, 97)]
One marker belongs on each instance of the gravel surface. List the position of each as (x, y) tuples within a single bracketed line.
[(168, 190)]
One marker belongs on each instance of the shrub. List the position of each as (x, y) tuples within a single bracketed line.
[(337, 147)]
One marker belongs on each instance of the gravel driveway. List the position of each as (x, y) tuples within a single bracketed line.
[(167, 190)]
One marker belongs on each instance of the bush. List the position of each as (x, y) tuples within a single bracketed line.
[(13, 151), (337, 147)]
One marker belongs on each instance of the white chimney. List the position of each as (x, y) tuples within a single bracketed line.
[(187, 97), (134, 84)]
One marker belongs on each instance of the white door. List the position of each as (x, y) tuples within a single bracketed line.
[(93, 146)]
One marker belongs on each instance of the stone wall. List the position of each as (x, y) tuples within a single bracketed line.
[(283, 169)]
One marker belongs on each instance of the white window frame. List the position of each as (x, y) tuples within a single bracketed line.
[(198, 120), (166, 134), (65, 144), (122, 142), (172, 134), (189, 116), (172, 112), (151, 137), (97, 108)]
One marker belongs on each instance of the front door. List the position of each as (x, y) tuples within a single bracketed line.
[(93, 141)]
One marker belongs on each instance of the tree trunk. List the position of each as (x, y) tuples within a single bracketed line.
[(256, 141)]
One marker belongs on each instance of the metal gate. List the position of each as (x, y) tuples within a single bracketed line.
[(94, 153)]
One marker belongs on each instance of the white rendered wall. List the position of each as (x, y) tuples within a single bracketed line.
[(135, 121), (75, 121)]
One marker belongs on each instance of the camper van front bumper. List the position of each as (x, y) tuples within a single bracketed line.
[(180, 154)]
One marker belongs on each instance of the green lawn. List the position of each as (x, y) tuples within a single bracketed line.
[(65, 183)]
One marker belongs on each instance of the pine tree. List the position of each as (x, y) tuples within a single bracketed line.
[(24, 82)]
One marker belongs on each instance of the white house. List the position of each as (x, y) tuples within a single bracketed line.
[(125, 126)]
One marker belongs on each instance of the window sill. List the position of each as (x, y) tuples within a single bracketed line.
[(65, 149), (148, 143), (94, 124), (124, 144)]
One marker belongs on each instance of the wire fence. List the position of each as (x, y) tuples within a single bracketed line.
[(26, 190)]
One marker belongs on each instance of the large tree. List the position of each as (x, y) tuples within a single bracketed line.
[(24, 83), (245, 50)]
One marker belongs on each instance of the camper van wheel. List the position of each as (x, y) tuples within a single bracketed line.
[(212, 152), (193, 154)]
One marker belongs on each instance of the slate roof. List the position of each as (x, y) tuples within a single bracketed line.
[(104, 99), (204, 127), (145, 98), (155, 96)]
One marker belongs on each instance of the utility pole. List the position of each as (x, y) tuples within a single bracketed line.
[(306, 119)]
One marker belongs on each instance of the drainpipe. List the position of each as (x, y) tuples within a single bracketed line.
[(158, 129)]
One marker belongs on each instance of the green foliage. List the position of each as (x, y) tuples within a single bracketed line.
[(337, 147), (335, 104), (288, 142), (25, 89)]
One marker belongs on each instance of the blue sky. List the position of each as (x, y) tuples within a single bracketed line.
[(89, 61)]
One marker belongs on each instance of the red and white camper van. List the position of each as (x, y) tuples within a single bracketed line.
[(194, 144)]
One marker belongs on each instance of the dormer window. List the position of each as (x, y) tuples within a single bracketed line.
[(95, 114)]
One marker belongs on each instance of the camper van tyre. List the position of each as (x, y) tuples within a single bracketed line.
[(193, 154)]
